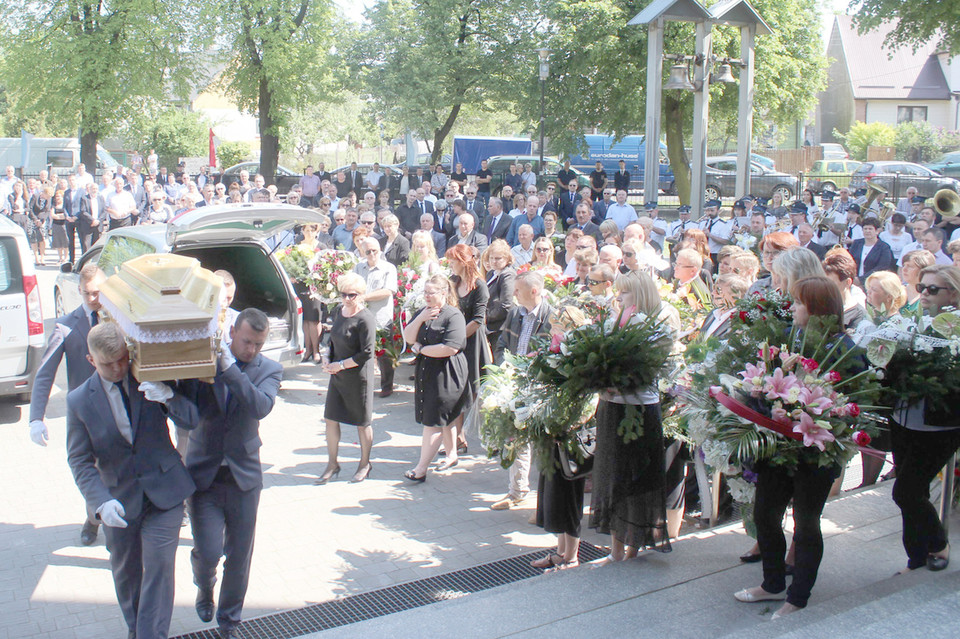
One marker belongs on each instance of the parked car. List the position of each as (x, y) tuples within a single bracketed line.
[(499, 165), (757, 159), (21, 318), (232, 237), (896, 176), (285, 179), (830, 175), (764, 182), (834, 151), (948, 164)]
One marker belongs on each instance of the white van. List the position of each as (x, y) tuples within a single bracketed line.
[(21, 320), (60, 154)]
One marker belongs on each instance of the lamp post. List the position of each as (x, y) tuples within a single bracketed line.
[(544, 74)]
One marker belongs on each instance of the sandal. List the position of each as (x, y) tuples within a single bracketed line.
[(412, 476), (548, 561), (564, 565)]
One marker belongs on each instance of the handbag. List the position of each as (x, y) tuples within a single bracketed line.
[(579, 464)]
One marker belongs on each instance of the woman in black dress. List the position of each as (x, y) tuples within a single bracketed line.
[(497, 263), (628, 500), (560, 500), (311, 308), (350, 366), (58, 228), (473, 297), (38, 213), (438, 336)]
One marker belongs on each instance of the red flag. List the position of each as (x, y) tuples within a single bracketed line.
[(213, 150)]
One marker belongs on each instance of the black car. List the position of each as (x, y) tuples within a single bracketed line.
[(896, 176)]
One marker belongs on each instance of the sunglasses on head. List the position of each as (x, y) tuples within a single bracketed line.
[(932, 289)]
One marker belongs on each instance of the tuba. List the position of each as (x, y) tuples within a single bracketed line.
[(873, 192), (946, 203)]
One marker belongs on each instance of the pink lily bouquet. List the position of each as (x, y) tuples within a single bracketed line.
[(325, 269)]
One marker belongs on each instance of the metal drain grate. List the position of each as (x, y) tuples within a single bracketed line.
[(377, 603)]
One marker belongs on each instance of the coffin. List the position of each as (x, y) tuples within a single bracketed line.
[(168, 306)]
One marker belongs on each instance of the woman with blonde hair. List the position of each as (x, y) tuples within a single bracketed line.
[(912, 263), (543, 258), (610, 232), (770, 247), (423, 254), (746, 265), (497, 264), (519, 205), (792, 265)]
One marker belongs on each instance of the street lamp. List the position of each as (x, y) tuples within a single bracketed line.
[(544, 74)]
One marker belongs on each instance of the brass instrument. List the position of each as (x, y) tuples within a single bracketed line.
[(873, 192), (946, 203)]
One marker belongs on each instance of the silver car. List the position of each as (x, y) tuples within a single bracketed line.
[(21, 319), (231, 237), (764, 182)]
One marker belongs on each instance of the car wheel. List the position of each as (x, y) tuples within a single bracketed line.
[(671, 189), (711, 192), (58, 303), (828, 186), (785, 192)]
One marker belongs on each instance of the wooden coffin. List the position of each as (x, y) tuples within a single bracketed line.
[(168, 306)]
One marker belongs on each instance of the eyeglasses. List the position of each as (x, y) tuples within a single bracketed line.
[(625, 254), (370, 222), (932, 289), (543, 249), (581, 247), (593, 282), (349, 296), (370, 252)]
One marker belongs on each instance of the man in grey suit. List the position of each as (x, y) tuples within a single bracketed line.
[(497, 223), (427, 221), (93, 213), (467, 235), (529, 319), (119, 449), (223, 457), (69, 338)]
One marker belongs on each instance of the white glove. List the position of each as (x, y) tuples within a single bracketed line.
[(226, 358), (156, 391), (111, 514), (38, 432)]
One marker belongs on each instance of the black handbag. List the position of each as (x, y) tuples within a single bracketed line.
[(579, 464)]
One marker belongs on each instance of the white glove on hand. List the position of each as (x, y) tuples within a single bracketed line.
[(111, 514), (38, 432), (156, 391), (226, 358)]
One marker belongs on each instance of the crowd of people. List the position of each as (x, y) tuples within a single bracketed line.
[(488, 265)]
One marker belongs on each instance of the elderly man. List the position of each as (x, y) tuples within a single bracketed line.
[(805, 235), (523, 251), (612, 256), (121, 207), (529, 319), (497, 224), (600, 206), (381, 278), (621, 212), (472, 203), (258, 189), (92, 216), (686, 276), (530, 218), (439, 239), (466, 234)]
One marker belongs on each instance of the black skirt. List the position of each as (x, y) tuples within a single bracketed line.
[(560, 501)]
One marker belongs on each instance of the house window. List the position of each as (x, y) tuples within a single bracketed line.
[(911, 114)]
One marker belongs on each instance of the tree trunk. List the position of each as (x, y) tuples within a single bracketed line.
[(269, 135), (88, 147), (441, 134), (676, 151)]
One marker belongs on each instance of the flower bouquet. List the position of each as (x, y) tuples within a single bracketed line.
[(692, 311), (325, 268), (921, 362), (389, 342), (295, 260), (746, 240)]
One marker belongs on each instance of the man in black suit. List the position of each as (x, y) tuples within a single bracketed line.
[(72, 199), (621, 179), (466, 234), (805, 235), (223, 457), (497, 224), (472, 203), (119, 449), (93, 214), (425, 205), (427, 220), (354, 179), (568, 204), (870, 252), (584, 222)]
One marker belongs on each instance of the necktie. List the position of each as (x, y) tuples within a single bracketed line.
[(850, 232), (94, 319), (793, 230), (710, 226), (126, 400), (469, 205)]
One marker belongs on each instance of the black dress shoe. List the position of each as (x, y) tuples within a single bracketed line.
[(935, 563), (229, 633), (88, 534), (387, 392), (750, 558), (204, 604)]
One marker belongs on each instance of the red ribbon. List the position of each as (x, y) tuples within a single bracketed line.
[(741, 410)]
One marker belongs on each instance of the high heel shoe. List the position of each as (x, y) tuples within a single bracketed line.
[(327, 476), (361, 474)]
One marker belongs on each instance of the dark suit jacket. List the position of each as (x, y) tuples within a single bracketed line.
[(355, 182), (819, 249), (69, 337), (591, 229), (228, 429), (85, 223), (510, 335), (501, 299), (439, 242), (398, 252), (503, 227), (105, 466), (409, 217), (568, 209), (476, 240), (880, 258), (479, 210), (73, 210)]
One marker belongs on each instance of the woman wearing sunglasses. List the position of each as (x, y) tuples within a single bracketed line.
[(920, 450), (350, 366)]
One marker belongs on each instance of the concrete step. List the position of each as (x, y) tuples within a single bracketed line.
[(689, 592)]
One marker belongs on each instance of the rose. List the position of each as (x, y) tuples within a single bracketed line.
[(852, 409), (861, 438), (809, 365), (833, 377)]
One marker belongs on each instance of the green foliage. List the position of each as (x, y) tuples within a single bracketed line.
[(420, 63), (862, 135), (230, 153), (172, 131), (914, 23), (917, 142), (345, 119)]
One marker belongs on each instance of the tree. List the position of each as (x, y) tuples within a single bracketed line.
[(344, 120), (915, 23), (172, 131), (85, 63), (421, 62), (230, 153), (917, 142), (862, 135), (598, 75), (278, 60)]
